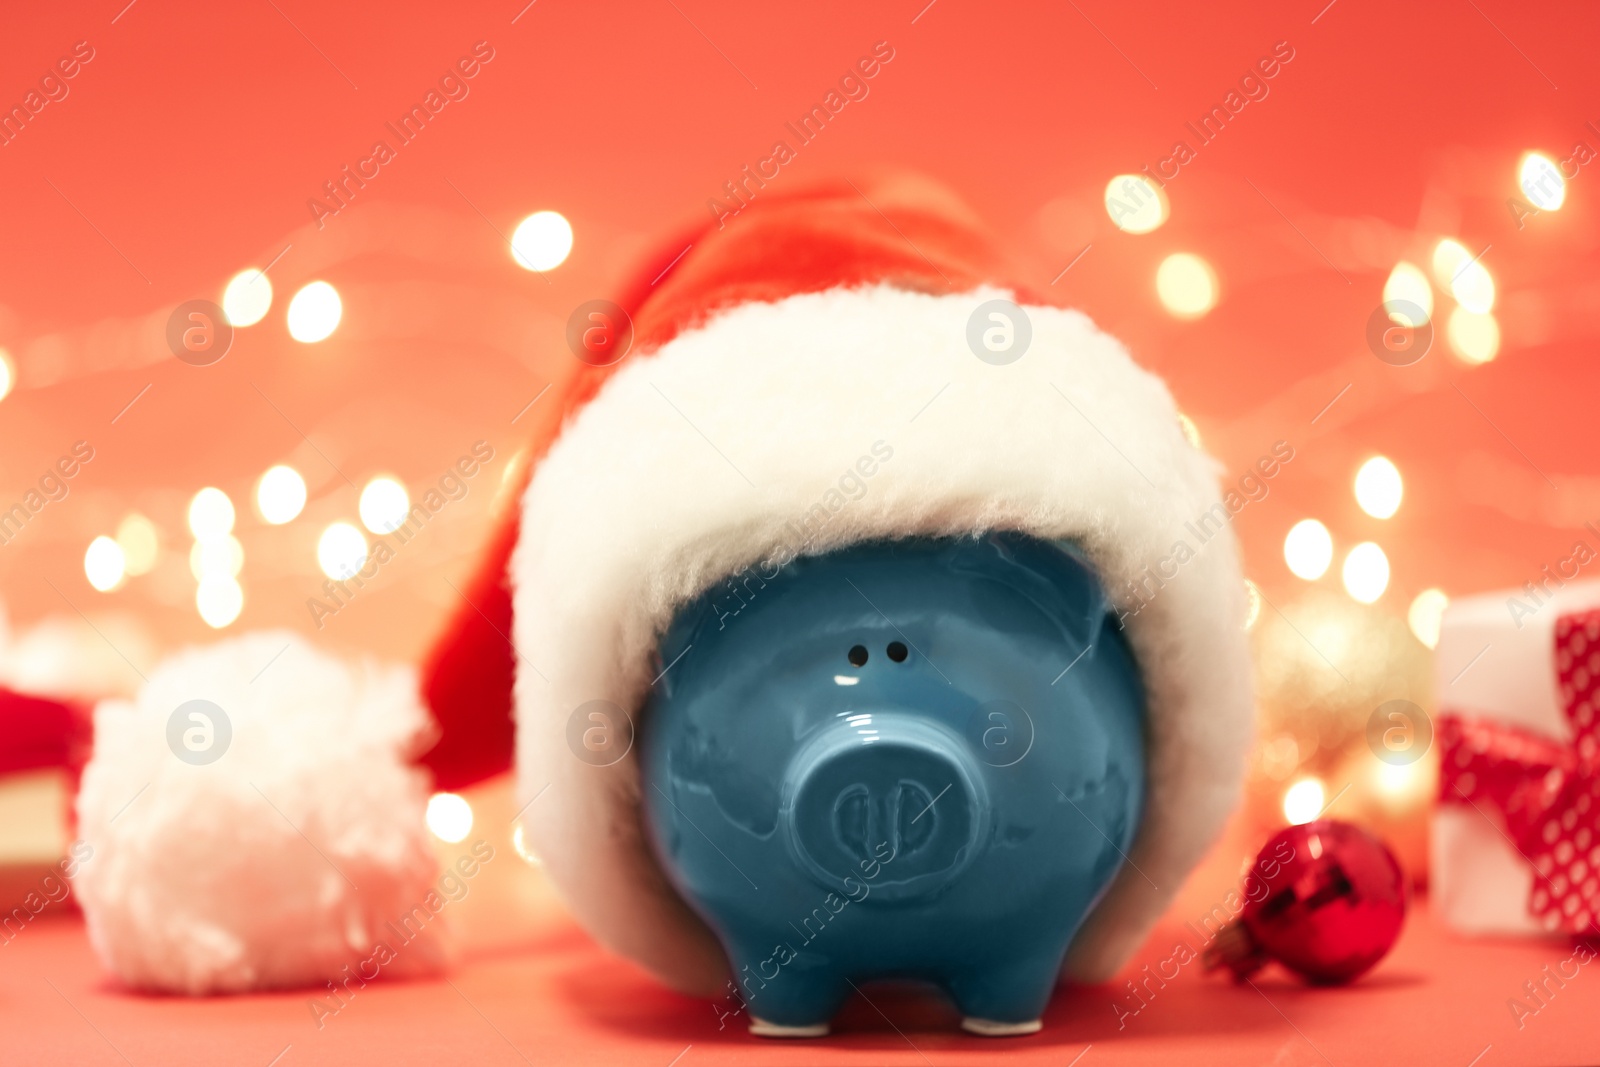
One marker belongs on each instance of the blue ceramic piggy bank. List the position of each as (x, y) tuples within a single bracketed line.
[(919, 759)]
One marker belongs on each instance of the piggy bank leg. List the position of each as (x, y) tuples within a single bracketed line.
[(799, 1002), (1005, 1001)]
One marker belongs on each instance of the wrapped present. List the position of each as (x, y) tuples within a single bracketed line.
[(43, 745), (1516, 838)]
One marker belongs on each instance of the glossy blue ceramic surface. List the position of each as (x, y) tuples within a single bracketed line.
[(948, 809)]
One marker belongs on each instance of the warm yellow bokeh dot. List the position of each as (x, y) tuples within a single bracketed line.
[(1379, 487), (1308, 549), (1303, 801), (1186, 285), (140, 542), (449, 817), (248, 298), (1135, 203), (1541, 182), (542, 241), (103, 564), (1407, 290), (1366, 572), (280, 494), (314, 313), (1426, 615)]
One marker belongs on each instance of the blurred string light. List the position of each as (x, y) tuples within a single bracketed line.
[(314, 313), (216, 558), (1186, 285), (1474, 338), (542, 241), (103, 564), (210, 514), (1303, 801), (1308, 549), (341, 551), (219, 557), (449, 817), (8, 374), (1464, 275), (1407, 285), (1426, 614), (1398, 781), (384, 505), (140, 542), (1541, 182), (219, 599), (280, 494), (1379, 488), (1136, 204), (248, 298), (1366, 572)]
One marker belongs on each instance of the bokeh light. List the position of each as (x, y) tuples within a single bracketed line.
[(8, 374), (219, 599), (1135, 203), (1303, 801), (248, 298), (103, 564), (222, 556), (1407, 284), (210, 514), (1464, 275), (1366, 572), (314, 313), (1308, 549), (1426, 614), (140, 542), (1186, 285), (1379, 488), (542, 241), (384, 505), (1541, 182), (280, 494), (1473, 338), (341, 551), (449, 817)]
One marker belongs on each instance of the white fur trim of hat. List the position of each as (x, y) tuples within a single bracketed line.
[(706, 457)]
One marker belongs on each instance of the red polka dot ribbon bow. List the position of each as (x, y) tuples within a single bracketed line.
[(1542, 792)]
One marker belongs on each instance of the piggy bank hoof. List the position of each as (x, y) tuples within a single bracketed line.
[(995, 1028), (762, 1028)]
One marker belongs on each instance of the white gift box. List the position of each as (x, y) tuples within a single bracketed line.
[(1496, 660)]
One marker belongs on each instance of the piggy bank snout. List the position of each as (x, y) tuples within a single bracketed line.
[(884, 803)]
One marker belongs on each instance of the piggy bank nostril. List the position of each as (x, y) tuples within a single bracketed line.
[(898, 651), (858, 656)]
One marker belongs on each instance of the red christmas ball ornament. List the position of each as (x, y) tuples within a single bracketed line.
[(1325, 899)]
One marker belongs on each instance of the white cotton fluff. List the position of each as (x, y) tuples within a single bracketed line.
[(285, 859)]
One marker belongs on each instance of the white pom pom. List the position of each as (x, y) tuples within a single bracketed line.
[(270, 837)]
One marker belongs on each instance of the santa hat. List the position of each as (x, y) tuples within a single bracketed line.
[(770, 350)]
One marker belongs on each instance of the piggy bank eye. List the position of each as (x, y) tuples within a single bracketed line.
[(858, 655), (897, 651)]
